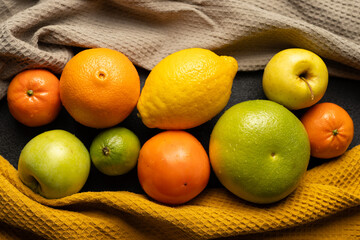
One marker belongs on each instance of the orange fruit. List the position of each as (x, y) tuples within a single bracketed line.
[(99, 87), (173, 167), (33, 97), (330, 129)]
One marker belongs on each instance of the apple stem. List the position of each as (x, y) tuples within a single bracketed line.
[(307, 83)]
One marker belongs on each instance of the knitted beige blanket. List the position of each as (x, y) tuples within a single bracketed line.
[(43, 33)]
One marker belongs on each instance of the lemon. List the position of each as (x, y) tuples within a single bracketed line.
[(186, 89), (115, 151)]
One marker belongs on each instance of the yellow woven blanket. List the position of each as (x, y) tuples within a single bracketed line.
[(325, 206)]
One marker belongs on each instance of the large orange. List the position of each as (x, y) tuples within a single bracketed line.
[(330, 129), (173, 167), (33, 97), (99, 87)]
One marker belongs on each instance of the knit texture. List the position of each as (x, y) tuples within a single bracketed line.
[(42, 33), (325, 205)]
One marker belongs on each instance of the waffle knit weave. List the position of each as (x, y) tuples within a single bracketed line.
[(325, 205)]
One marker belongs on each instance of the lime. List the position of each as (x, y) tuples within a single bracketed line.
[(115, 151), (259, 150)]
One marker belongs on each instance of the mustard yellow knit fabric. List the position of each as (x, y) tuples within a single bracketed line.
[(325, 205)]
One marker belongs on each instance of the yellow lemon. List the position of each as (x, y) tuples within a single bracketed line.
[(186, 89)]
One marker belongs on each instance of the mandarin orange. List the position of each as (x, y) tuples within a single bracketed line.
[(330, 129), (33, 97)]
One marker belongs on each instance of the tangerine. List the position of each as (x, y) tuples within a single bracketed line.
[(173, 167), (330, 129), (33, 97), (99, 87)]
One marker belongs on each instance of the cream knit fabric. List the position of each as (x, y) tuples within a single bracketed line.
[(43, 33)]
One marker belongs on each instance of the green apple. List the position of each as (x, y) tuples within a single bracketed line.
[(259, 150), (296, 78), (54, 164)]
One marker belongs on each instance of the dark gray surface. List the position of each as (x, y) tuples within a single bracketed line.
[(247, 86)]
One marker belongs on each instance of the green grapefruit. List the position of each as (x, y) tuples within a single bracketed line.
[(259, 150)]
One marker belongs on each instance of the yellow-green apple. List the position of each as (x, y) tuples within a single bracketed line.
[(259, 150), (54, 164), (296, 78)]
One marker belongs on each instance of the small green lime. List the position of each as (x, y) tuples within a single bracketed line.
[(115, 151)]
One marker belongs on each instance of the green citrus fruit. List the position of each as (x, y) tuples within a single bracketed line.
[(115, 151), (259, 150)]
